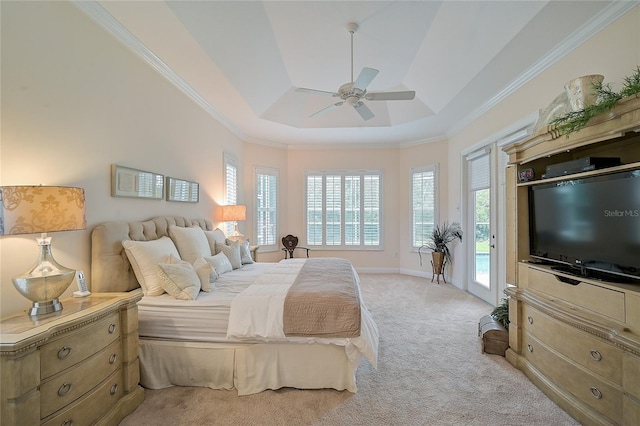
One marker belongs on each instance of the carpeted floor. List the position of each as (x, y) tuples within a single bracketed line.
[(431, 371)]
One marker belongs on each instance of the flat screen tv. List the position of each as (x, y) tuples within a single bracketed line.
[(589, 226)]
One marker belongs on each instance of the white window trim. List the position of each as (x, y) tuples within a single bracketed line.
[(259, 170), (436, 194), (230, 160), (344, 172)]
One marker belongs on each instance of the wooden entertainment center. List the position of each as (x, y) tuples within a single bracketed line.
[(577, 339)]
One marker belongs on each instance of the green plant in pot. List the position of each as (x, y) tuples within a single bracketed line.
[(441, 238)]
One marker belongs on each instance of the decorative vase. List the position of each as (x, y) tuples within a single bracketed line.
[(437, 258), (580, 91)]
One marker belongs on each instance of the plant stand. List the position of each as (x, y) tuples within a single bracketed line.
[(438, 270)]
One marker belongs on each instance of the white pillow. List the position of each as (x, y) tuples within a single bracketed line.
[(215, 236), (245, 252), (220, 263), (232, 251), (191, 242), (145, 257), (207, 274), (179, 279)]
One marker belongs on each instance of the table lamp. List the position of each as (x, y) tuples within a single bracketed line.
[(42, 209), (234, 213)]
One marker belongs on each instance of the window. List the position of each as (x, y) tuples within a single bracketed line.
[(231, 187), (266, 208), (344, 209), (423, 204)]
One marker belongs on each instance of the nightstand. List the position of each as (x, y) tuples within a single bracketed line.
[(73, 367)]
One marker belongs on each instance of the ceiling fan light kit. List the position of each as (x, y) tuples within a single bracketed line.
[(354, 92)]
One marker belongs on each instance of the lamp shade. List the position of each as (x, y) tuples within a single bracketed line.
[(233, 213), (37, 209)]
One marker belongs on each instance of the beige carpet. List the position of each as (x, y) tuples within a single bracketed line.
[(430, 372)]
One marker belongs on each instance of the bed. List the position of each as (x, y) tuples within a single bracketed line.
[(249, 331)]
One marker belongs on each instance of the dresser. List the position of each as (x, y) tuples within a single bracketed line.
[(75, 367), (576, 338)]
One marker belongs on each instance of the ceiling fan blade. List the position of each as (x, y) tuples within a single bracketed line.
[(326, 109), (366, 76), (391, 96), (315, 92), (364, 111)]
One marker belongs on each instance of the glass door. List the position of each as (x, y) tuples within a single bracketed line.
[(481, 224)]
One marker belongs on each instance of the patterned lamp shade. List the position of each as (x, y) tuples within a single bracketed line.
[(37, 209), (42, 209), (233, 213)]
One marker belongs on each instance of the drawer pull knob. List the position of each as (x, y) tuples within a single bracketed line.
[(595, 355), (112, 358), (64, 389), (112, 328), (530, 319), (114, 389), (596, 393), (64, 352), (529, 347), (67, 423)]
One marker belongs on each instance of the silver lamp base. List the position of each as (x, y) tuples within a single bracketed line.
[(45, 282), (48, 307)]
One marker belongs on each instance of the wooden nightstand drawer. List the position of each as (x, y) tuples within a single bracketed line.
[(71, 348), (600, 300), (592, 353), (593, 391), (84, 411), (67, 387)]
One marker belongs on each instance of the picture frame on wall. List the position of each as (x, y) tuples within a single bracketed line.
[(129, 182), (183, 191)]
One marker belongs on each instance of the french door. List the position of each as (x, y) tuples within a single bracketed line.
[(481, 223)]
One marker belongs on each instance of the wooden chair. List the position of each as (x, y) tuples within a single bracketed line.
[(290, 243)]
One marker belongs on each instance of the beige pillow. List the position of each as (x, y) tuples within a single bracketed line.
[(232, 251), (215, 236), (179, 279), (191, 242), (145, 257), (207, 274), (220, 263)]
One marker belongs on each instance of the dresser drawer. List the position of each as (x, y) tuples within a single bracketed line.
[(72, 348), (593, 391), (601, 300), (97, 402), (68, 386), (592, 353)]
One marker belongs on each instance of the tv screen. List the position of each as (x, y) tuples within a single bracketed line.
[(590, 224)]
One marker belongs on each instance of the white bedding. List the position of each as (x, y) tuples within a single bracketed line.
[(207, 319)]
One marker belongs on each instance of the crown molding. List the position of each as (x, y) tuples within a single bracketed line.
[(590, 28), (103, 18)]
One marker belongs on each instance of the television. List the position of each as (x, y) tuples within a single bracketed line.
[(588, 226)]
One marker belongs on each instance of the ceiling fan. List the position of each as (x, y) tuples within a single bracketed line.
[(355, 92)]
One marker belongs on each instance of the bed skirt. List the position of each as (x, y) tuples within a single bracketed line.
[(248, 368)]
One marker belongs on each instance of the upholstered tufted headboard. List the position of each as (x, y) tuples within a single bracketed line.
[(110, 267)]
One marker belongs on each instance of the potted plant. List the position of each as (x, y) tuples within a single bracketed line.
[(441, 237)]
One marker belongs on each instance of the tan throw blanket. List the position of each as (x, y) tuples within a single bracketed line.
[(323, 301)]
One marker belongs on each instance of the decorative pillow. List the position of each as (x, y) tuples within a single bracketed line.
[(207, 274), (191, 242), (232, 251), (215, 236), (220, 263), (179, 279), (245, 251), (145, 257)]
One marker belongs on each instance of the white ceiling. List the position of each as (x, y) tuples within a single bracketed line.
[(242, 60)]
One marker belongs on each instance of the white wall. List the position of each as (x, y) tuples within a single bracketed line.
[(74, 101)]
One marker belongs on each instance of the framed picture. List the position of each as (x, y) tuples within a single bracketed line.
[(128, 182), (182, 190)]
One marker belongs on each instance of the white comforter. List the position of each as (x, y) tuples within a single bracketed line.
[(257, 312)]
